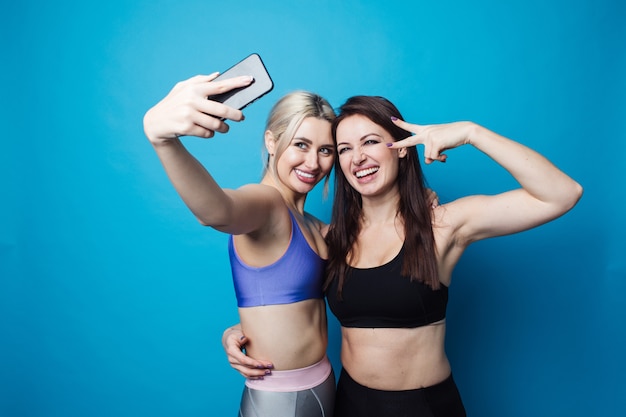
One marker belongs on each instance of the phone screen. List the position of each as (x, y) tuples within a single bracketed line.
[(241, 97)]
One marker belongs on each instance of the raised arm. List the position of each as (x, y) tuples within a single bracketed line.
[(545, 194), (185, 111)]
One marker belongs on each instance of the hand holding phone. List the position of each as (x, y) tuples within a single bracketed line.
[(239, 98)]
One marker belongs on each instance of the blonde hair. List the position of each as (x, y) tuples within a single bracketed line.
[(286, 117)]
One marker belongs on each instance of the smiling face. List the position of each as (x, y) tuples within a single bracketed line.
[(308, 157), (368, 164)]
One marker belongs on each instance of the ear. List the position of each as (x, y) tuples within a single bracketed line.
[(270, 143), (402, 152)]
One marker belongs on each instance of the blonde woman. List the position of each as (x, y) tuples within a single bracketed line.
[(276, 249)]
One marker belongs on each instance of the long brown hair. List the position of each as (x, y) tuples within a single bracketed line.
[(420, 262)]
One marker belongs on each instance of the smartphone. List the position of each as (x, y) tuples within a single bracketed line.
[(241, 97)]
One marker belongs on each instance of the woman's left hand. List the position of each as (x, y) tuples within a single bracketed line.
[(435, 138)]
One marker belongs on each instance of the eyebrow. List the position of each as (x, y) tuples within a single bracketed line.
[(304, 138), (309, 141)]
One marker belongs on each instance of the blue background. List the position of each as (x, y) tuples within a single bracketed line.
[(112, 297)]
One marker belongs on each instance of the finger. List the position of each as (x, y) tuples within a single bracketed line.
[(196, 79), (211, 122), (220, 110), (200, 125), (213, 76), (250, 363), (203, 78), (438, 157), (201, 132), (404, 143), (441, 158), (222, 86), (191, 128), (252, 374), (237, 358), (411, 127)]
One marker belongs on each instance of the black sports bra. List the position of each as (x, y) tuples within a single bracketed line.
[(381, 297)]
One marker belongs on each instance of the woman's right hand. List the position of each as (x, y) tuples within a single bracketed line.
[(234, 342), (185, 111)]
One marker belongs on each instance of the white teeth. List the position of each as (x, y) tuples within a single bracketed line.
[(304, 174), (362, 173)]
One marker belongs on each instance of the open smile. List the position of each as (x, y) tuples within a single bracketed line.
[(305, 176), (365, 172)]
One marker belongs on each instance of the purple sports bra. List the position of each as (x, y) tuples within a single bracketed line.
[(298, 275)]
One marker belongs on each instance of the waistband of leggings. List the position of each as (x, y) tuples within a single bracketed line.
[(293, 379), (445, 384)]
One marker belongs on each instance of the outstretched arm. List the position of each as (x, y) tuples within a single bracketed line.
[(185, 111), (234, 342), (545, 194)]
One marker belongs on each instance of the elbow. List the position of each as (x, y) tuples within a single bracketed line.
[(203, 222), (210, 221), (216, 217), (216, 222), (577, 193), (573, 196)]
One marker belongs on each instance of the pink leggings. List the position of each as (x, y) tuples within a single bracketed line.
[(305, 392)]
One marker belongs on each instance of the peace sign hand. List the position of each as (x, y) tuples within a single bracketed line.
[(435, 138)]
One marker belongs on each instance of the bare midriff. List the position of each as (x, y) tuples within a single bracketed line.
[(395, 359), (291, 336)]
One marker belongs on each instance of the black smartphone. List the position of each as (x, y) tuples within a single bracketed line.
[(241, 97)]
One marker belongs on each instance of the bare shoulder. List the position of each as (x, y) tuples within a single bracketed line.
[(258, 211)]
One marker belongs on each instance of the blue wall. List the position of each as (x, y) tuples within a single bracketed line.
[(112, 297)]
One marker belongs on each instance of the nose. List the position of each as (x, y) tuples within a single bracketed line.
[(358, 156), (312, 160)]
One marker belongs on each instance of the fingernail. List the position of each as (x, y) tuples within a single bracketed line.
[(389, 144), (242, 337), (268, 372), (394, 118)]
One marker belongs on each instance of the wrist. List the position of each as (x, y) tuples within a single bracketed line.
[(154, 132), (163, 142), (473, 134)]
